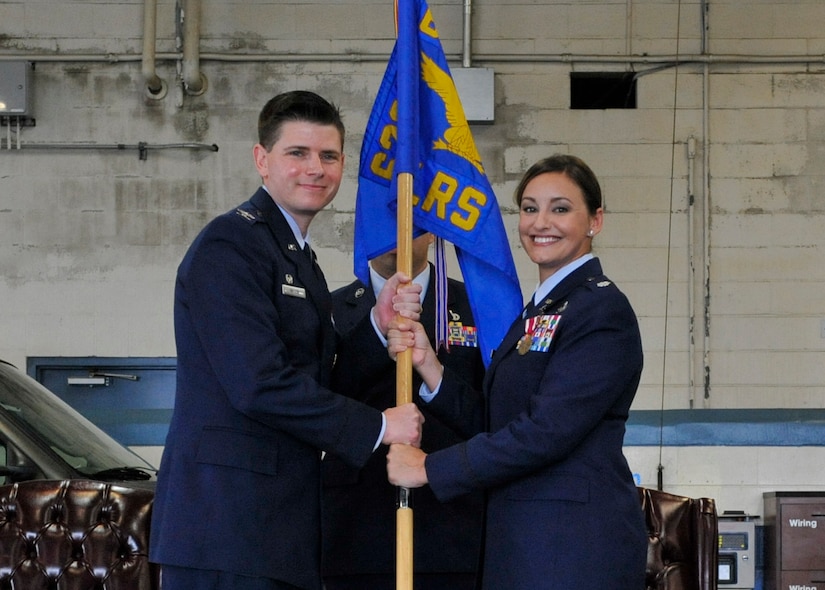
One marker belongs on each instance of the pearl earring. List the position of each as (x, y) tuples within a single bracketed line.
[(590, 233)]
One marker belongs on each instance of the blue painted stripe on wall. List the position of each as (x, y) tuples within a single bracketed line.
[(679, 428), (672, 428), (747, 427)]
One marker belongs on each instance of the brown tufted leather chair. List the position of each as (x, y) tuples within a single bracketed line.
[(75, 535), (88, 535), (683, 541)]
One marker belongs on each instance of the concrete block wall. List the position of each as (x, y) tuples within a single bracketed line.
[(735, 477), (90, 237)]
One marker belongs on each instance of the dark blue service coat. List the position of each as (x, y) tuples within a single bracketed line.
[(239, 483), (563, 512), (359, 505)]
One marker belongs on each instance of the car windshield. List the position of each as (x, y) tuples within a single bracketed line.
[(80, 443)]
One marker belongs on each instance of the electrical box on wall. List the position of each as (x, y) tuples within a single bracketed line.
[(14, 88), (475, 89), (737, 551)]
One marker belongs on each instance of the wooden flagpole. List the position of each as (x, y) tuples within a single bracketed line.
[(403, 390)]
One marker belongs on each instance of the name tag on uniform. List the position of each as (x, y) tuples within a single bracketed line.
[(292, 291)]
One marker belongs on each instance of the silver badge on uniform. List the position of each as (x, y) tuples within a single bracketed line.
[(292, 291)]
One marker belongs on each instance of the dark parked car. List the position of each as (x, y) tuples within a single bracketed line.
[(42, 437)]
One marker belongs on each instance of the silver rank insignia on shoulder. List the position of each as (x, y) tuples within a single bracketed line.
[(246, 215), (359, 292), (603, 283)]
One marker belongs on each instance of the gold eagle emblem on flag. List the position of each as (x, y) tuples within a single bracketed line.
[(457, 138)]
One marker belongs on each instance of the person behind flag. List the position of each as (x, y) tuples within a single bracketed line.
[(417, 126), (358, 505), (237, 503), (562, 510)]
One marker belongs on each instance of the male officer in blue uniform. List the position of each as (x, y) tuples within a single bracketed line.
[(358, 505), (238, 497)]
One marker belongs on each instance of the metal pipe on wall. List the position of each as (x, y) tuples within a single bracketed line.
[(515, 58), (194, 82), (142, 148), (628, 26), (155, 86), (466, 56), (706, 207), (691, 196)]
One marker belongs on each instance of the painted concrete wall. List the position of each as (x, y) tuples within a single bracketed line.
[(718, 175)]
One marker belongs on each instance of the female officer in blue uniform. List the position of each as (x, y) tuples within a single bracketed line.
[(563, 512)]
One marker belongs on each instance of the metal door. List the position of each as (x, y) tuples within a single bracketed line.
[(131, 399)]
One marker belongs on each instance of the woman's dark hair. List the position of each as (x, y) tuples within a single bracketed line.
[(296, 105), (575, 169)]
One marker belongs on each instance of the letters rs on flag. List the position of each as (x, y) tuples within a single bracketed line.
[(417, 125)]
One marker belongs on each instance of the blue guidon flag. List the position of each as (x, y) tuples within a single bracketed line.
[(418, 126)]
